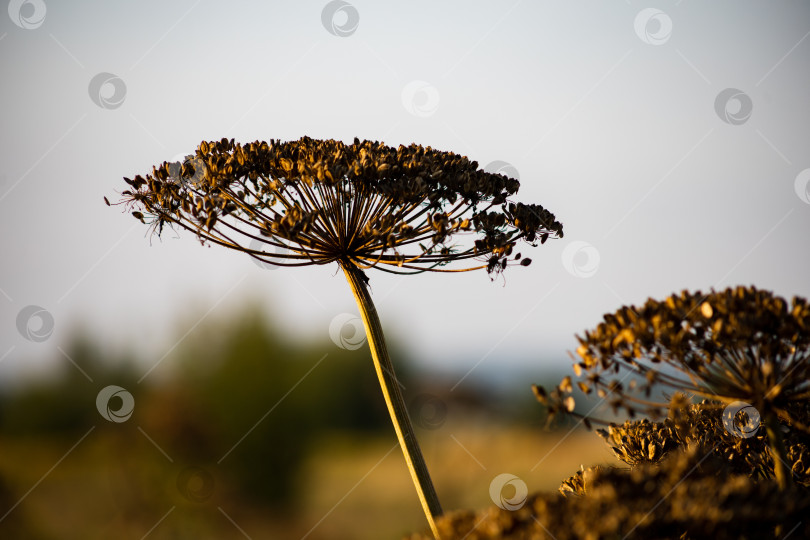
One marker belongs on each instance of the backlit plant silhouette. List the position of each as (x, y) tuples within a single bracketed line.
[(738, 345), (365, 205), (688, 494), (638, 442)]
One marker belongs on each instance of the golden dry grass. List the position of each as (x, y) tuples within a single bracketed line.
[(463, 460), (352, 487)]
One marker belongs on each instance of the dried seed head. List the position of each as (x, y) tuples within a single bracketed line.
[(740, 344), (403, 210)]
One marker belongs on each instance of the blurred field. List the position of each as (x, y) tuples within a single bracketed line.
[(350, 487), (245, 435), (386, 501)]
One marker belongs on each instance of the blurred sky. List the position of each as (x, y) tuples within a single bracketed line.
[(612, 113)]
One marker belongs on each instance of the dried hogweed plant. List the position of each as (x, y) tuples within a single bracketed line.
[(738, 345), (363, 205), (702, 425), (687, 495)]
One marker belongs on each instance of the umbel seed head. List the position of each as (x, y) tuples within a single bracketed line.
[(403, 210), (741, 344)]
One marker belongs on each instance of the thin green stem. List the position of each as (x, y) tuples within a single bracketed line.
[(393, 396)]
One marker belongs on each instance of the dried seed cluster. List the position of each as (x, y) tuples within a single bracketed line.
[(740, 344), (701, 425), (641, 441), (403, 210), (690, 494)]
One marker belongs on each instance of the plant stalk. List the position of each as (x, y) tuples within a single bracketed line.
[(393, 397), (779, 454)]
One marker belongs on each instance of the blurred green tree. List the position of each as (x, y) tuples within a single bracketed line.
[(263, 401)]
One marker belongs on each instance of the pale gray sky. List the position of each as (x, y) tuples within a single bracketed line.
[(609, 111)]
